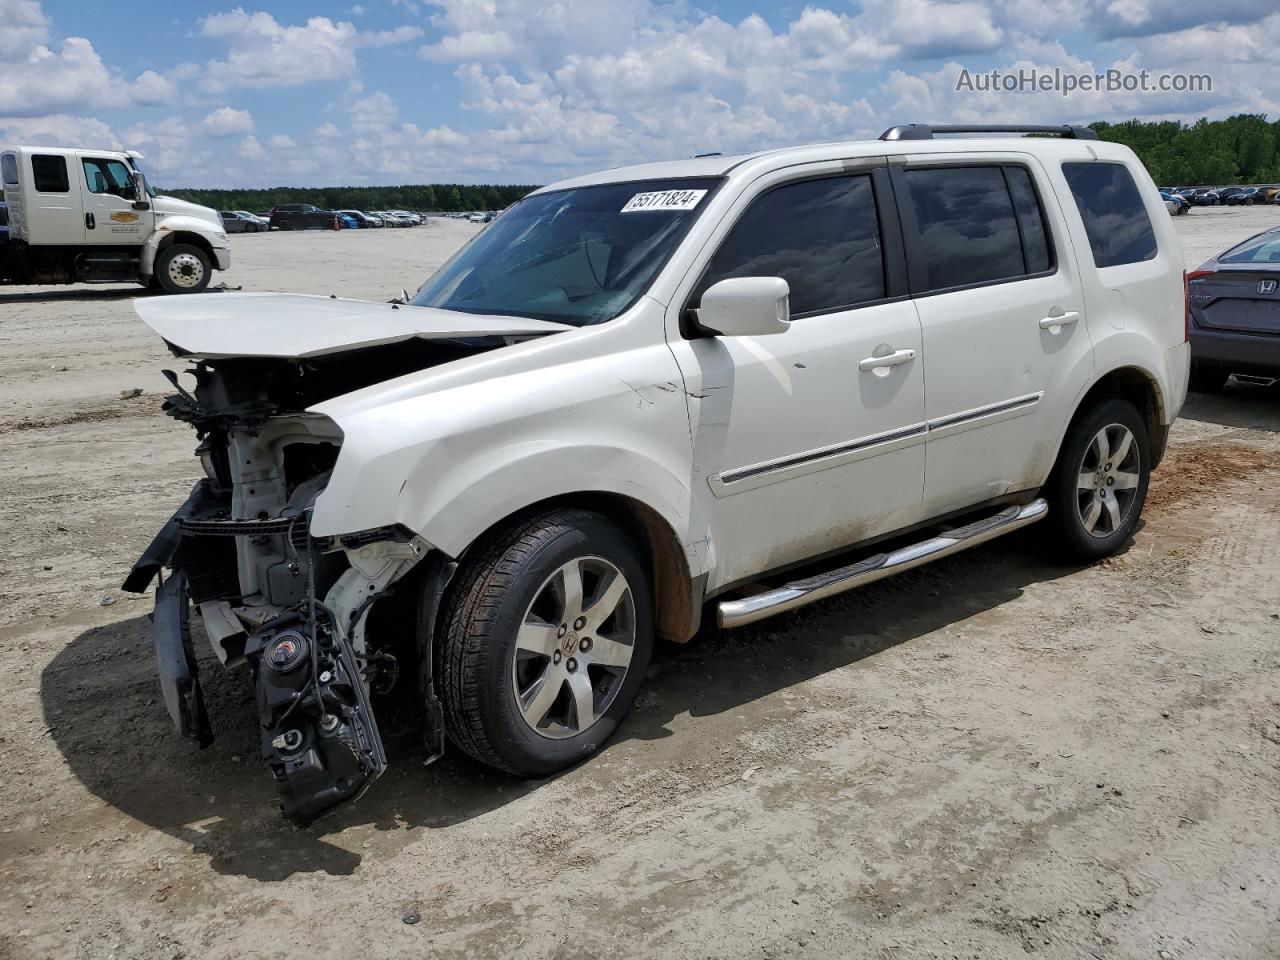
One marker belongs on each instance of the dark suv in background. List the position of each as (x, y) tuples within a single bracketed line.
[(300, 216)]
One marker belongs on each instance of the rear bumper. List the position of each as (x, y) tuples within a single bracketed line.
[(1236, 352)]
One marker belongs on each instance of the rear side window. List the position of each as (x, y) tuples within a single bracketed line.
[(821, 236), (1115, 218), (1264, 248), (968, 231), (49, 174), (9, 169)]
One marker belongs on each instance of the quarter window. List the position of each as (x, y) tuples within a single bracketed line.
[(968, 231), (9, 169), (1115, 218), (821, 236), (49, 174), (1035, 238)]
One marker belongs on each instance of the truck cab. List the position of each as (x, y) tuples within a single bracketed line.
[(88, 216)]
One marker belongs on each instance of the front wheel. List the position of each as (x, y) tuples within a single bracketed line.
[(546, 639), (1099, 484), (183, 268)]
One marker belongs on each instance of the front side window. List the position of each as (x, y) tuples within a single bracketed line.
[(1115, 218), (108, 176), (968, 230), (49, 174), (576, 256), (821, 236)]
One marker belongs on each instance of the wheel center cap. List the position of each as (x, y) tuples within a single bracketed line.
[(569, 644)]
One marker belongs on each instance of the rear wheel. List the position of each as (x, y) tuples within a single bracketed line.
[(1099, 484), (183, 268), (284, 224), (546, 640)]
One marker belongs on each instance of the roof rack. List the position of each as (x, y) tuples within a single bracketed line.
[(923, 131)]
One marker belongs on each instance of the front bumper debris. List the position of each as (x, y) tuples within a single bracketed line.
[(179, 676)]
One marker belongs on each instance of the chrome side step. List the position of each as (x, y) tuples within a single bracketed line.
[(798, 593)]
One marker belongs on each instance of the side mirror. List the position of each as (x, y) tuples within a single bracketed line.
[(140, 196), (746, 307)]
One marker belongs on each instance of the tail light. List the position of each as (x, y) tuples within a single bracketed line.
[(1186, 297)]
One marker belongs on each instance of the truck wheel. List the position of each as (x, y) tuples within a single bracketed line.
[(546, 639), (183, 268), (1099, 484)]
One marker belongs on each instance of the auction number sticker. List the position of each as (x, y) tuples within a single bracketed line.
[(664, 200)]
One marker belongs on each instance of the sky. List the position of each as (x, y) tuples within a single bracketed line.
[(529, 91)]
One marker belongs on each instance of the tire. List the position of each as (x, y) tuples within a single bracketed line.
[(183, 268), (1095, 500), (514, 660), (284, 225)]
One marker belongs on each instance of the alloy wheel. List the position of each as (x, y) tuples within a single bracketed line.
[(574, 648), (1108, 479)]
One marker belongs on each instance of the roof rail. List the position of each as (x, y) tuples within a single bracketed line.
[(923, 131)]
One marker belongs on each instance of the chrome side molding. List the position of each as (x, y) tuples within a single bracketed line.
[(798, 593)]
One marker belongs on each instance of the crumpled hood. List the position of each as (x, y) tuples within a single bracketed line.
[(293, 326)]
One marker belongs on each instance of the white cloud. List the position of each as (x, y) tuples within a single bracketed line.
[(58, 130), (226, 121), (374, 113), (264, 53), (25, 26)]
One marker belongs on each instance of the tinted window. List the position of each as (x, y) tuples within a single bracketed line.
[(1114, 215), (821, 236), (1264, 248), (9, 169), (1035, 240), (49, 174), (968, 232)]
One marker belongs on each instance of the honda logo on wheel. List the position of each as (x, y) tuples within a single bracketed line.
[(1266, 287)]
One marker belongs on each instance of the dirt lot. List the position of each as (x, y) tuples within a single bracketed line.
[(982, 758)]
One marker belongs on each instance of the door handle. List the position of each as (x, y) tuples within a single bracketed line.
[(89, 222), (1055, 324), (888, 360)]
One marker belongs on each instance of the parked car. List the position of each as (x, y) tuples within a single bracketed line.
[(234, 222), (362, 219), (1205, 198), (347, 221), (1175, 203), (263, 222), (1234, 313), (642, 392), (412, 219), (475, 218), (301, 216), (1241, 196)]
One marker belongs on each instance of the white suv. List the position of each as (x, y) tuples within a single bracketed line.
[(647, 392)]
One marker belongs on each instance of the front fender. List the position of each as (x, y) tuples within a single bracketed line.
[(177, 223)]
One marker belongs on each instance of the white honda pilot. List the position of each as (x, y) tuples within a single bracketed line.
[(733, 384)]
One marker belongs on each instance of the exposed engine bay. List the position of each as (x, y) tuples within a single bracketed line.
[(321, 624)]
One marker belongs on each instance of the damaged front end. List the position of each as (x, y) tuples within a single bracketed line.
[(294, 609)]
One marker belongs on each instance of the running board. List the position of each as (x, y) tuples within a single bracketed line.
[(798, 593)]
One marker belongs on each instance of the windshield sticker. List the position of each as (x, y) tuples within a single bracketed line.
[(664, 200)]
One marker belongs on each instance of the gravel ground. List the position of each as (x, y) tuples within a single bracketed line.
[(984, 758)]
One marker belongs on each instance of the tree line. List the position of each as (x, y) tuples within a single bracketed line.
[(447, 197), (1240, 149)]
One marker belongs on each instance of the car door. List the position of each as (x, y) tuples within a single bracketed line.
[(997, 288), (809, 440), (109, 215)]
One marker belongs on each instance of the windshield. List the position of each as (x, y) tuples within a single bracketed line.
[(576, 256)]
